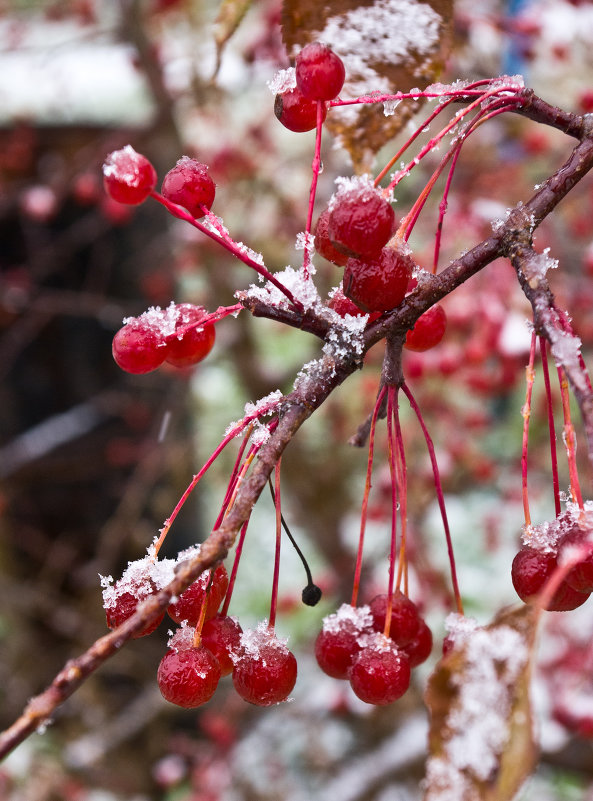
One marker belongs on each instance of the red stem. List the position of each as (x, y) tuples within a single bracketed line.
[(278, 504), (526, 412), (238, 551), (315, 167), (391, 448), (551, 428)]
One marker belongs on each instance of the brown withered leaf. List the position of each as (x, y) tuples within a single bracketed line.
[(229, 17), (387, 46), (481, 745)]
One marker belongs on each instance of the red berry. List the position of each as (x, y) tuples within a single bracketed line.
[(188, 678), (320, 72), (405, 620), (296, 112), (222, 635), (128, 177), (378, 284), (189, 604), (337, 642), (123, 607), (380, 672), (324, 245), (361, 221), (420, 648), (195, 344), (265, 671), (530, 572), (189, 185), (139, 347), (428, 330)]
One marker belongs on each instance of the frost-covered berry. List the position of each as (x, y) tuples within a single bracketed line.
[(378, 284), (139, 347), (530, 572), (188, 677), (189, 604), (380, 672), (319, 72), (128, 176), (324, 245), (190, 347), (428, 330), (265, 670), (338, 641), (189, 185), (405, 619), (121, 600), (361, 220), (222, 636), (296, 112)]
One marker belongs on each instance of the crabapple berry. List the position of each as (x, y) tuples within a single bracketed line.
[(428, 330), (296, 112), (380, 672), (361, 221), (221, 635), (338, 641), (265, 670), (530, 572), (323, 243), (188, 678), (320, 72), (190, 347), (405, 620), (420, 648), (128, 176), (378, 284), (189, 185), (139, 347), (581, 575), (123, 606), (189, 604)]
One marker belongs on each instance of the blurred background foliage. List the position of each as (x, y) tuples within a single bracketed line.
[(93, 460)]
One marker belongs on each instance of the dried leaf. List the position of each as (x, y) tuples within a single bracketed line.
[(481, 744), (387, 46), (230, 15)]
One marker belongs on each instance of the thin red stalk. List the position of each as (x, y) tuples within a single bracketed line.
[(443, 211), (278, 505), (526, 413), (238, 551), (365, 499), (551, 428), (228, 244), (570, 441), (233, 480), (207, 319), (440, 497), (391, 448), (203, 608), (402, 475), (315, 168)]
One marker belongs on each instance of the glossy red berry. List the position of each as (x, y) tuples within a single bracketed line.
[(123, 607), (530, 572), (420, 648), (128, 176), (380, 672), (320, 72), (361, 221), (338, 641), (428, 330), (222, 636), (265, 670), (581, 576), (188, 678), (296, 112), (189, 185), (324, 245), (185, 348), (139, 347), (189, 604), (378, 284), (405, 620)]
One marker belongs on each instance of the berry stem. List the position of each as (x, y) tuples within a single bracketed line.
[(203, 607), (526, 414), (228, 244), (365, 498), (402, 476), (440, 497), (570, 441), (278, 505), (551, 428), (315, 168), (233, 479), (238, 551), (391, 449)]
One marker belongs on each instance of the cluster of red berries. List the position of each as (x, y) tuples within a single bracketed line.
[(319, 76), (174, 335), (535, 563), (352, 645)]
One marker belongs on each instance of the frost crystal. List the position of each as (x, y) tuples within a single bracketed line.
[(303, 241), (547, 536), (359, 617), (253, 641), (182, 639), (361, 185), (283, 81), (389, 106)]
